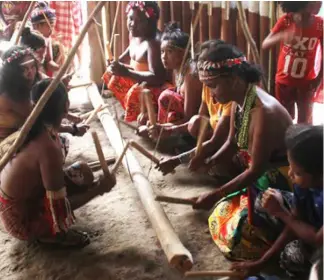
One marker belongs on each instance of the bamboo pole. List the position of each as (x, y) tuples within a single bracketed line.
[(95, 164), (144, 152), (100, 154), (249, 38), (119, 161), (202, 134), (92, 115), (112, 38), (116, 37), (109, 52), (178, 256), (48, 92), (215, 273), (87, 115), (128, 124), (15, 40), (80, 85), (175, 200), (102, 51), (149, 106)]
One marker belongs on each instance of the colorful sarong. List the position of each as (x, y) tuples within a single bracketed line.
[(128, 91), (44, 216), (176, 110), (237, 224)]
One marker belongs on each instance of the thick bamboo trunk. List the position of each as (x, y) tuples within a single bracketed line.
[(178, 256)]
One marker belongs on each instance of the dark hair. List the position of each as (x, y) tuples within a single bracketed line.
[(152, 21), (54, 109), (293, 6), (12, 80), (41, 11), (173, 33), (305, 146), (219, 50), (32, 39)]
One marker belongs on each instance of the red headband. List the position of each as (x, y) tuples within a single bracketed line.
[(148, 11)]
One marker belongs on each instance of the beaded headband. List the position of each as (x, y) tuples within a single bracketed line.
[(148, 11), (206, 68), (16, 55)]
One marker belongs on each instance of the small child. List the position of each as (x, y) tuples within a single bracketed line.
[(304, 225), (299, 70), (43, 20)]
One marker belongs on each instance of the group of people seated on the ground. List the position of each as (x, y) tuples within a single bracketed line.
[(271, 203)]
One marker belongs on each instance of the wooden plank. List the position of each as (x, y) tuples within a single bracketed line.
[(178, 256)]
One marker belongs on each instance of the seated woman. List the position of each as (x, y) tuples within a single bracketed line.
[(303, 233), (43, 20), (21, 65), (217, 132), (144, 54), (256, 138), (36, 202)]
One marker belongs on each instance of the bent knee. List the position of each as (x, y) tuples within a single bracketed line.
[(193, 125)]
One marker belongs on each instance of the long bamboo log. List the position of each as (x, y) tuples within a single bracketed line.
[(175, 200), (48, 92), (15, 40), (178, 256), (249, 38)]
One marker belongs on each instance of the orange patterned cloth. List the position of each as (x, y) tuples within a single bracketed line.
[(128, 91)]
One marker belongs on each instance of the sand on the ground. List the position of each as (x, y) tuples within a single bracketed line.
[(123, 243)]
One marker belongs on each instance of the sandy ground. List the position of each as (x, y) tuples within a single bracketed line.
[(124, 245)]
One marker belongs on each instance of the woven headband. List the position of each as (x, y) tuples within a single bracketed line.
[(211, 66), (39, 15), (148, 11)]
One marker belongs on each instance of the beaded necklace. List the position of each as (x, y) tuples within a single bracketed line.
[(242, 118)]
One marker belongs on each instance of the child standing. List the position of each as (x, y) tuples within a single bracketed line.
[(304, 225), (299, 71)]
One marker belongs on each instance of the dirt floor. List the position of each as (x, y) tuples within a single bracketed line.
[(124, 245)]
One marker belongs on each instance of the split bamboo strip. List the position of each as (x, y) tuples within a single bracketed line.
[(116, 37), (92, 115), (114, 27), (249, 38), (202, 133), (86, 115), (144, 152), (119, 161), (178, 256), (47, 94)]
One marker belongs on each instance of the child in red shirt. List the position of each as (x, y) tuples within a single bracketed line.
[(299, 70)]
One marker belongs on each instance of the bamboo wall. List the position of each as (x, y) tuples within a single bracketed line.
[(219, 19)]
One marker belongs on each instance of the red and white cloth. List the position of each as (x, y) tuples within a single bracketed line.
[(68, 21)]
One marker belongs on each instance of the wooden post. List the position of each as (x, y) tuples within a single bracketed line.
[(215, 20), (48, 92), (102, 51), (15, 40), (119, 161), (178, 256), (249, 38)]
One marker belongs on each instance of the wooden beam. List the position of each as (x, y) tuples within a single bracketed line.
[(178, 256)]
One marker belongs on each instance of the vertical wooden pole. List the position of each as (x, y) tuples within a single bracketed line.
[(124, 34), (186, 16), (203, 24), (215, 21), (254, 23), (264, 31)]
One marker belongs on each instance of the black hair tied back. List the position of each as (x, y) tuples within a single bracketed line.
[(173, 33)]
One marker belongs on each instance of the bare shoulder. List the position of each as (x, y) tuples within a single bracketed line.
[(45, 146), (154, 43)]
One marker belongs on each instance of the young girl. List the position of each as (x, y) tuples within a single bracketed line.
[(144, 55), (37, 197), (304, 224), (299, 71), (43, 20)]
